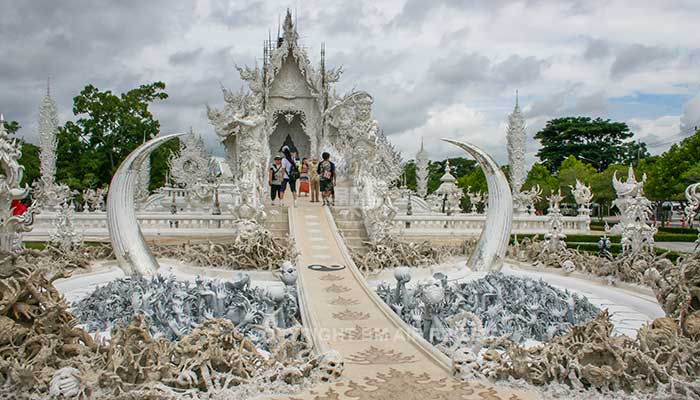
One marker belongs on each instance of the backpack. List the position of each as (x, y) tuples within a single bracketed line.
[(294, 172), (326, 170)]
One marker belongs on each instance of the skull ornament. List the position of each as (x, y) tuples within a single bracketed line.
[(331, 366), (292, 375), (433, 292), (568, 266), (464, 363), (288, 273)]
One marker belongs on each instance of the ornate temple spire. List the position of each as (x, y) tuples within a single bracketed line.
[(289, 34), (516, 138), (422, 171), (48, 126)]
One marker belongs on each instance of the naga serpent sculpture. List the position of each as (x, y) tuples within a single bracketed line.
[(128, 243), (493, 242)]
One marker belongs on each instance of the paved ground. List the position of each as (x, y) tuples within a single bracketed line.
[(683, 247)]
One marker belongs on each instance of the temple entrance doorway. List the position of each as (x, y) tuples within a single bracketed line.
[(289, 131)]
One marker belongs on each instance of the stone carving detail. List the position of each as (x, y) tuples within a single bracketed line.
[(360, 333), (342, 301), (417, 386), (516, 138), (49, 194), (372, 161), (528, 198), (583, 196), (11, 172), (422, 171), (349, 315), (474, 198), (635, 209), (692, 194), (554, 238), (337, 289), (94, 199), (379, 356), (52, 356), (144, 179), (331, 277), (65, 236)]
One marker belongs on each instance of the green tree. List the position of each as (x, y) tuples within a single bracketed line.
[(30, 154), (572, 169), (674, 170), (459, 166), (409, 173), (476, 182), (108, 127), (597, 141)]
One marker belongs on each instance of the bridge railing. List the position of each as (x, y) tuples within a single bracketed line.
[(472, 225), (93, 225)]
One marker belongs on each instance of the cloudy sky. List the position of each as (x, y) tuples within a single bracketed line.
[(436, 68)]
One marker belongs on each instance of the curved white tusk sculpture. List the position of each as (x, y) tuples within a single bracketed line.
[(493, 242), (128, 243)]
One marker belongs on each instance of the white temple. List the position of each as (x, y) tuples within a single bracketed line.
[(289, 102)]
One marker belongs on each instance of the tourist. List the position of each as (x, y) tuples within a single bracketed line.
[(304, 178), (277, 174), (326, 171), (314, 180), (292, 173)]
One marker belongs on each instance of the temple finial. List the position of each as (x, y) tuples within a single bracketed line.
[(48, 86), (517, 101)]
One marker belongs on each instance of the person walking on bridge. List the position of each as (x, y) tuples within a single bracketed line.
[(326, 172), (276, 178), (290, 166), (314, 180)]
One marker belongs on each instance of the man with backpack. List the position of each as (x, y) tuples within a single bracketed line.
[(326, 172), (277, 174)]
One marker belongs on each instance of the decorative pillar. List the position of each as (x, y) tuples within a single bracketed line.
[(422, 171), (516, 138), (48, 194), (48, 127)]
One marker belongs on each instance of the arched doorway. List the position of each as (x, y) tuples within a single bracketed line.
[(290, 129)]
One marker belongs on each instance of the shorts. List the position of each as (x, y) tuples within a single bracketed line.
[(292, 185), (326, 185)]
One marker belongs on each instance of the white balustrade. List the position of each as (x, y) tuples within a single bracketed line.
[(472, 225), (93, 225)]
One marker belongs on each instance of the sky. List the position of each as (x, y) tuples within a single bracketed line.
[(436, 69)]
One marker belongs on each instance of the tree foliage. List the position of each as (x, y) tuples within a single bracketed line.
[(596, 141), (674, 170), (108, 127), (572, 169)]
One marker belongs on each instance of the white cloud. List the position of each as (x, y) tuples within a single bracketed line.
[(658, 133), (435, 68), (455, 121)]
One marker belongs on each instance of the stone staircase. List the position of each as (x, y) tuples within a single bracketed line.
[(352, 228), (277, 221)]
